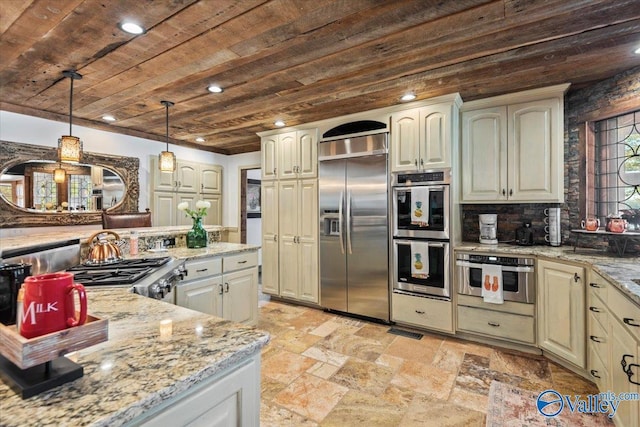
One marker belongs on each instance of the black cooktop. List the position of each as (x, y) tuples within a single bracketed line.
[(124, 272)]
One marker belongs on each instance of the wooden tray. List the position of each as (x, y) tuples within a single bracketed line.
[(25, 353)]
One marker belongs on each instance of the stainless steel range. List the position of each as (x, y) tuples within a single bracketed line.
[(151, 277)]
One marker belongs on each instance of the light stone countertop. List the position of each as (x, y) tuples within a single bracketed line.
[(622, 271), (212, 249), (135, 369)]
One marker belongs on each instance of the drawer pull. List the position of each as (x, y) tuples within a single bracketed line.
[(221, 290), (419, 312), (242, 262), (595, 309), (595, 338), (623, 362), (202, 270), (495, 324), (594, 373), (226, 284), (629, 321), (595, 285), (629, 373)]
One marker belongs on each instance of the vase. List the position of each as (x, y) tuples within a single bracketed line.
[(197, 236)]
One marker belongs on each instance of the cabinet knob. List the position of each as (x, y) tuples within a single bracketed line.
[(576, 278), (504, 192), (415, 162), (226, 285), (511, 192), (220, 289), (275, 237), (422, 163)]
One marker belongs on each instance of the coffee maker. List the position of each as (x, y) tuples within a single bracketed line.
[(488, 228)]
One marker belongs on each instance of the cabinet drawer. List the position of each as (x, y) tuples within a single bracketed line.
[(423, 312), (240, 261), (500, 325), (598, 286), (598, 311), (598, 371), (197, 268), (598, 338), (626, 311)]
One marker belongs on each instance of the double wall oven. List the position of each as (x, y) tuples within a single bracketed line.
[(420, 214)]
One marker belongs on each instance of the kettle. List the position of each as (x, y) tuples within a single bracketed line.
[(104, 251), (524, 235)]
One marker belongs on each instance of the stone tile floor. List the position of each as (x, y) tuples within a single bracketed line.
[(322, 369)]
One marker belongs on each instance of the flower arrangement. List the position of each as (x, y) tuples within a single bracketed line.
[(199, 212)]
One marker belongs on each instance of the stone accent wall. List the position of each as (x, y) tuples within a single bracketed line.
[(618, 94)]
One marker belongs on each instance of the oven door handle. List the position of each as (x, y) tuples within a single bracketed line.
[(504, 268)]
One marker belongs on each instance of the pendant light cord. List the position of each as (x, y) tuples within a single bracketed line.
[(71, 106), (167, 110)]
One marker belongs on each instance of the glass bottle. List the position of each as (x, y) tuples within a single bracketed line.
[(197, 236)]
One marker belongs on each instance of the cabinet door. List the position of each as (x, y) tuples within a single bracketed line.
[(96, 176), (435, 136), (164, 210), (187, 174), (484, 154), (214, 213), (162, 181), (308, 241), (182, 218), (535, 153), (210, 179), (240, 303), (405, 140), (624, 349), (288, 234), (287, 155), (561, 308), (204, 295), (269, 157), (307, 153), (269, 207)]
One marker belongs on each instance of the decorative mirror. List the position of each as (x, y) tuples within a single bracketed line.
[(36, 190)]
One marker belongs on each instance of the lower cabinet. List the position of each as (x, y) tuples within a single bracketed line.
[(422, 312), (614, 346), (561, 310), (224, 286), (231, 398)]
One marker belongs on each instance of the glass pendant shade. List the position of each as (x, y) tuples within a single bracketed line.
[(167, 161), (59, 175), (69, 149)]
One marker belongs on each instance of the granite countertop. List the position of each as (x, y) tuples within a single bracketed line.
[(622, 271), (135, 369), (212, 249)]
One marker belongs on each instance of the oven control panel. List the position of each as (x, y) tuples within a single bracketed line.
[(441, 176)]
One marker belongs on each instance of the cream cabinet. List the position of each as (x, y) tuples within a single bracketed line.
[(514, 152), (210, 179), (225, 286), (422, 138), (298, 240), (425, 313), (614, 345), (561, 310), (165, 208), (270, 251), (290, 155)]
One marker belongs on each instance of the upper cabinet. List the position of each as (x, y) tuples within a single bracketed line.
[(421, 138), (290, 155), (189, 177), (512, 148)]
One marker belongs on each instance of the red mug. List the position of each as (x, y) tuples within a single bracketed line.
[(48, 304)]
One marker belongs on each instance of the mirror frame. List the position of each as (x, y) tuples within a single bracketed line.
[(14, 153)]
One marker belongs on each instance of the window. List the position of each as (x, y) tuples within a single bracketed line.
[(45, 191), (80, 191), (617, 167)]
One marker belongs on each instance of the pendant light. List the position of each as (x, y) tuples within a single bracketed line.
[(166, 159), (59, 174), (70, 147)]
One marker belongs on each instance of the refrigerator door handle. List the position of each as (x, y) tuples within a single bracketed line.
[(340, 222), (349, 222)]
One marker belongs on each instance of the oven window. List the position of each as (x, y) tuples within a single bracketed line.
[(436, 267), (434, 211), (509, 279)]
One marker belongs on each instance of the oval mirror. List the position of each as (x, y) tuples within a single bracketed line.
[(46, 186)]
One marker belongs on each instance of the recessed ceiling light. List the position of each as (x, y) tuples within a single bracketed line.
[(131, 28), (214, 89), (279, 123), (637, 51), (109, 118), (408, 97), (200, 139)]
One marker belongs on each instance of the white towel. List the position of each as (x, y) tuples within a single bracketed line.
[(419, 260), (419, 206), (492, 279)]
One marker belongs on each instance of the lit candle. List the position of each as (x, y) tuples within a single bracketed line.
[(166, 328)]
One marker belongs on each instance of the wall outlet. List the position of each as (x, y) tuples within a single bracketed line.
[(170, 242)]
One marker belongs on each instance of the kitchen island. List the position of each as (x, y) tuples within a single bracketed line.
[(141, 375)]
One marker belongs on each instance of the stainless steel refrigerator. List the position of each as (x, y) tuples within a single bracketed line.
[(353, 195)]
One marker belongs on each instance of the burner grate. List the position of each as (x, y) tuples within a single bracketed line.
[(110, 276)]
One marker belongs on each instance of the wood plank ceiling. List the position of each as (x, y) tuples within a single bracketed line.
[(295, 60)]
